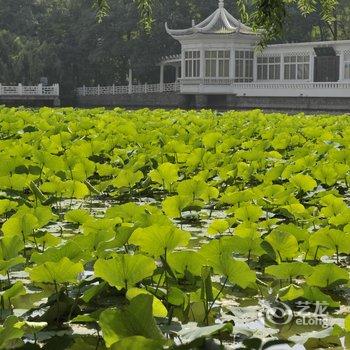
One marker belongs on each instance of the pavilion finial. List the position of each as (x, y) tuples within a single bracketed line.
[(221, 3)]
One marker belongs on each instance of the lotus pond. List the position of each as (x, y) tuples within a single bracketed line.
[(173, 230)]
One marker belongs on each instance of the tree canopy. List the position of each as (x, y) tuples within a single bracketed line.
[(269, 15)]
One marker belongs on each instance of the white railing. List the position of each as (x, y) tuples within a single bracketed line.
[(127, 89), (35, 90), (268, 85), (265, 89)]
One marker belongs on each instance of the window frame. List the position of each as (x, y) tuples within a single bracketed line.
[(268, 67), (296, 67), (346, 66), (217, 63), (192, 60), (244, 66)]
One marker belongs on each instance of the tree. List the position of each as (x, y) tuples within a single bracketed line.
[(268, 15)]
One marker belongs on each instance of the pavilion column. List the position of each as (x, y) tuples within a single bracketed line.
[(130, 81), (178, 72), (255, 68), (282, 67), (202, 64), (341, 66), (312, 67), (232, 63), (183, 64), (161, 79)]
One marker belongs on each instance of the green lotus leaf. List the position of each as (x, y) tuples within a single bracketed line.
[(79, 216), (127, 178), (218, 226), (301, 234), (135, 320), (6, 265), (22, 225), (303, 183), (325, 174), (166, 175), (128, 212), (217, 250), (173, 206), (218, 255), (247, 241), (340, 219), (70, 250), (6, 205), (83, 170), (157, 240), (183, 261), (124, 271), (10, 246), (283, 243), (14, 291), (291, 292), (326, 274), (176, 296), (288, 270), (314, 294), (159, 310), (294, 210), (9, 332), (336, 240), (197, 189), (137, 343), (347, 323), (251, 213), (76, 189), (63, 271), (332, 206)]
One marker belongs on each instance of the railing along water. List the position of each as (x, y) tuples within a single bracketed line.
[(34, 90), (127, 89)]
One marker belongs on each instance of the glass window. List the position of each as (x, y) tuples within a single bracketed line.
[(269, 68), (244, 61), (347, 66), (192, 64), (296, 67), (217, 64)]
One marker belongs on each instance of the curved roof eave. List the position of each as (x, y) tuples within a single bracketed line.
[(221, 18)]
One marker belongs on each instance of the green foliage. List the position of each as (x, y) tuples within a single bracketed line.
[(168, 214), (135, 320), (63, 271), (124, 271), (158, 240)]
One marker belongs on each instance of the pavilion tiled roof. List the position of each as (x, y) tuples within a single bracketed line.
[(220, 22)]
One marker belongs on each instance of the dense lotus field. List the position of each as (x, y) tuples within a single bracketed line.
[(159, 229)]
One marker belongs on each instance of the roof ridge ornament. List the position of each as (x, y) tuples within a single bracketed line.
[(221, 4)]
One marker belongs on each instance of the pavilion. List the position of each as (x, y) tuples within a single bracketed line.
[(221, 55)]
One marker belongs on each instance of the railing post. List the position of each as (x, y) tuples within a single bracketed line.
[(1, 90), (84, 90), (130, 81), (161, 80), (98, 90), (40, 89), (146, 87), (20, 89), (113, 89)]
